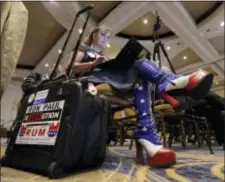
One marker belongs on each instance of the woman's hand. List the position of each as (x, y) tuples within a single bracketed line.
[(88, 66), (99, 60), (83, 67)]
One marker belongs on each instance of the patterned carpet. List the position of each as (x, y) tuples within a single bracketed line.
[(119, 166)]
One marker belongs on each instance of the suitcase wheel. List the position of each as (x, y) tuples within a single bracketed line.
[(54, 170)]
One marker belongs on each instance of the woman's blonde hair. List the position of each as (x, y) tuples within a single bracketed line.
[(89, 39)]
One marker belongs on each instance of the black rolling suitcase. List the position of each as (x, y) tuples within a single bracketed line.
[(59, 127)]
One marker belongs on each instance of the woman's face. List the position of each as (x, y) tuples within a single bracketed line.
[(101, 39)]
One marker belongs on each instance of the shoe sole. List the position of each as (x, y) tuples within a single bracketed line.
[(158, 166), (202, 88), (164, 165)]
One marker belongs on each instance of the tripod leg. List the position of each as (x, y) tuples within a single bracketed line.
[(167, 57)]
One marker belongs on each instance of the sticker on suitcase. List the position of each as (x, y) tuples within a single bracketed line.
[(41, 97), (41, 124)]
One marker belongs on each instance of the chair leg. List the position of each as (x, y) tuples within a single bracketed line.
[(121, 132), (207, 131), (164, 132), (190, 135), (171, 136), (194, 140), (183, 140), (209, 145), (131, 142), (196, 126), (207, 137)]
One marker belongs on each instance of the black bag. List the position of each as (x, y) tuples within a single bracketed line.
[(60, 127)]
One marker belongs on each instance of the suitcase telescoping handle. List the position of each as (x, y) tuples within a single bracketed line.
[(74, 53), (69, 68)]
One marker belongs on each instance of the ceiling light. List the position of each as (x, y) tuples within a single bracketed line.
[(145, 21), (185, 57), (46, 65), (222, 23), (59, 51), (80, 30), (108, 45), (168, 48)]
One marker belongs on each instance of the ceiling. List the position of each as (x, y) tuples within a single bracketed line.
[(218, 43), (188, 29), (140, 30), (181, 59), (42, 33), (101, 8), (197, 10)]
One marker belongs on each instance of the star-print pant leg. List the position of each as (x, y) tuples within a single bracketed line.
[(146, 127)]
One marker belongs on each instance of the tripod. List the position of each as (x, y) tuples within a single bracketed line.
[(156, 54), (158, 45)]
